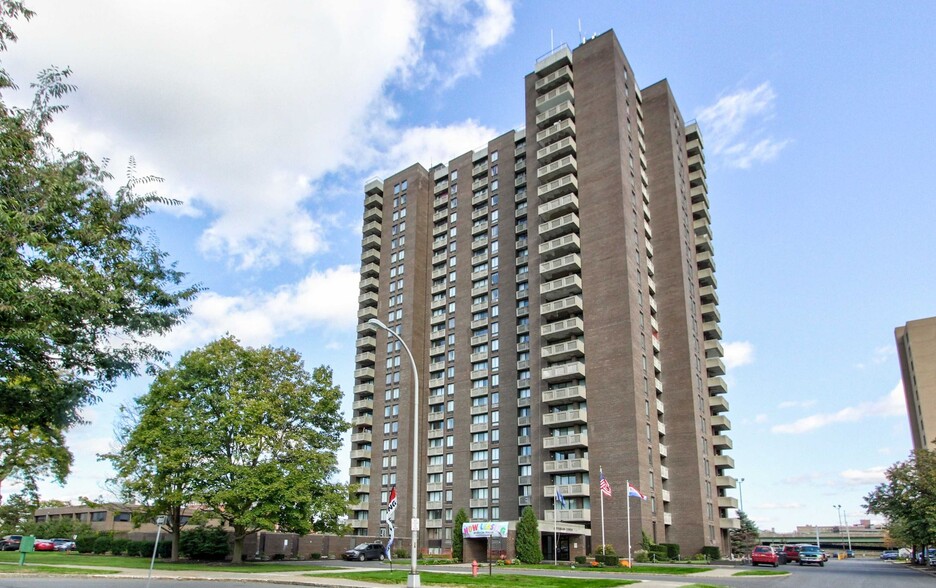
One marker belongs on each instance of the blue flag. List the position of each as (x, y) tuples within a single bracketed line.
[(559, 497)]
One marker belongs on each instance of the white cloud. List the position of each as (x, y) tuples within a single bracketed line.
[(865, 477), (727, 126), (738, 353), (893, 404), (780, 506), (761, 419), (879, 356), (244, 115), (322, 299)]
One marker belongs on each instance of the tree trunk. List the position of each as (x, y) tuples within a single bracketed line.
[(176, 518), (239, 532)]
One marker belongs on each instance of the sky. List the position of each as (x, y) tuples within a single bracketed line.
[(266, 121)]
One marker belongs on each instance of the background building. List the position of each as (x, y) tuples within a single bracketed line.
[(916, 349), (557, 290)]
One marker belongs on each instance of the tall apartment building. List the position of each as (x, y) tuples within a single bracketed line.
[(916, 350), (557, 290)]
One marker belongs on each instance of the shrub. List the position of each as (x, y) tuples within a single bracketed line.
[(711, 552), (133, 548), (278, 557), (85, 543), (580, 559), (659, 553), (119, 546), (315, 556), (205, 543), (400, 553), (641, 556), (672, 550), (103, 544)]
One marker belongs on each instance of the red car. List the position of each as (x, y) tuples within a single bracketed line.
[(43, 545), (764, 554)]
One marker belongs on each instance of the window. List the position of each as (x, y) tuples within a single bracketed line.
[(98, 516)]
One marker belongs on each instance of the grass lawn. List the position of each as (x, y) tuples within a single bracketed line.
[(58, 558), (7, 569), (761, 573), (674, 569), (438, 579)]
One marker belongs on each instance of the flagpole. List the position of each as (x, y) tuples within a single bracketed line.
[(555, 529), (630, 562), (601, 494)]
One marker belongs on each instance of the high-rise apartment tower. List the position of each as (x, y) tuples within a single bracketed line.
[(557, 290), (916, 349)]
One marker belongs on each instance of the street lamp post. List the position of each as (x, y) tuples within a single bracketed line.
[(412, 580), (847, 532), (740, 494), (838, 507)]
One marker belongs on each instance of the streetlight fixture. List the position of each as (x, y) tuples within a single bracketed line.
[(412, 581), (838, 507), (740, 495), (847, 532)]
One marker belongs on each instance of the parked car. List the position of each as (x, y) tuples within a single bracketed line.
[(810, 554), (889, 555), (792, 552), (10, 543), (63, 544), (43, 545), (365, 551), (764, 554)]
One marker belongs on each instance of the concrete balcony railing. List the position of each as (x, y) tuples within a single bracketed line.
[(556, 150), (556, 113), (561, 288), (569, 327), (572, 515), (564, 395), (561, 75), (558, 207), (570, 243), (563, 128), (561, 266), (560, 167), (565, 441), (563, 225), (718, 404), (549, 491), (566, 465), (565, 417), (567, 184), (562, 307), (564, 350)]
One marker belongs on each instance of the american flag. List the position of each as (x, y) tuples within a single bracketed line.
[(605, 486)]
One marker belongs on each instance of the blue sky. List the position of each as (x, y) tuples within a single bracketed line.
[(818, 130)]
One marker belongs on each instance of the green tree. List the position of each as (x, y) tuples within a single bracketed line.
[(458, 540), (908, 499), (527, 543), (261, 436), (744, 538), (83, 287), (16, 512)]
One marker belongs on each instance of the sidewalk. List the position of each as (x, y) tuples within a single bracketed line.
[(298, 578)]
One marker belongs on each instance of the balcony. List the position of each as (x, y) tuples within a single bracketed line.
[(560, 226), (362, 420), (371, 242), (550, 270), (564, 395), (366, 388), (366, 358), (721, 442), (560, 167), (727, 502), (565, 329), (554, 114), (561, 75), (564, 245), (479, 183), (564, 373), (549, 491), (726, 482), (567, 184), (365, 373), (717, 386), (729, 523), (368, 299), (564, 350), (664, 472), (479, 169), (370, 270), (724, 462), (563, 128), (566, 465), (367, 313), (370, 255), (360, 454), (440, 187), (558, 207), (572, 515), (562, 418), (373, 214), (556, 150), (565, 441), (374, 200), (720, 423), (358, 471), (366, 404), (561, 288), (718, 403), (562, 308), (362, 437), (372, 228)]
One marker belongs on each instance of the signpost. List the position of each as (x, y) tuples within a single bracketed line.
[(160, 521)]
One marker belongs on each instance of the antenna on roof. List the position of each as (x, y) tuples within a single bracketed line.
[(552, 45), (581, 37)]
